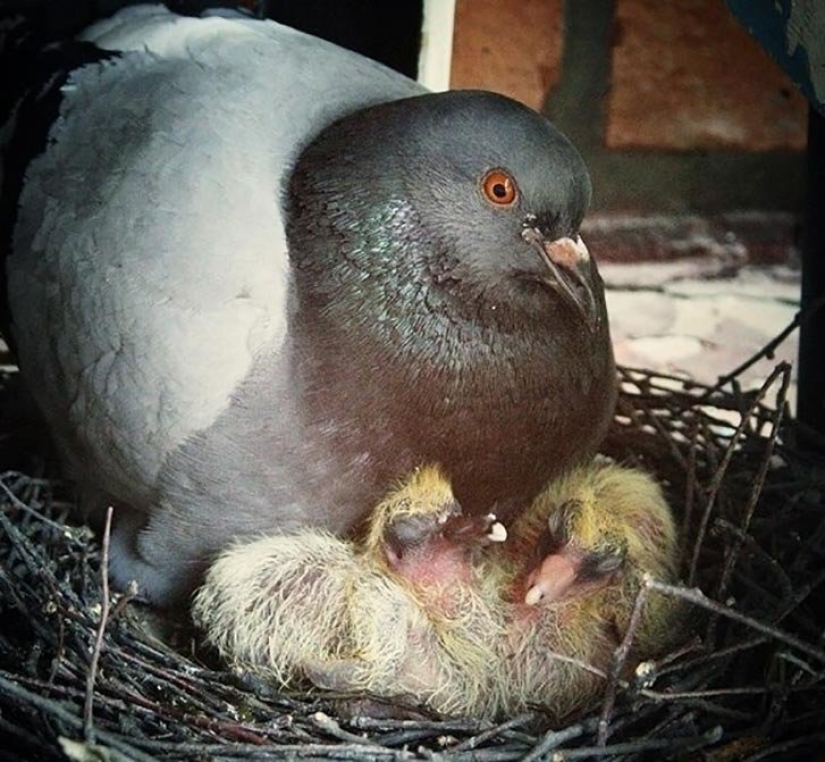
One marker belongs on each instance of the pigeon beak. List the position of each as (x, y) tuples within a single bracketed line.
[(568, 261)]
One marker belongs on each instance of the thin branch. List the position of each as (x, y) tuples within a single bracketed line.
[(619, 660), (691, 695), (691, 485), (714, 735), (53, 708), (766, 352), (698, 598), (555, 738), (25, 507), (88, 705), (718, 478), (475, 741), (330, 726), (756, 490)]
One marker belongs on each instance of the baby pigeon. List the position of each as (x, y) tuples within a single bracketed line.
[(255, 279), (405, 612), (589, 539), (424, 608)]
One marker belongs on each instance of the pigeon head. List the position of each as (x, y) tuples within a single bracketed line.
[(468, 200), (442, 296)]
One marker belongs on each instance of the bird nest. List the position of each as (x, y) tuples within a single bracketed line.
[(82, 675)]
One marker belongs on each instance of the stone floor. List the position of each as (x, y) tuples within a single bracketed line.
[(697, 296), (701, 326)]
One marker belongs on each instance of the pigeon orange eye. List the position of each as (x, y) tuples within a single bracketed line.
[(499, 188)]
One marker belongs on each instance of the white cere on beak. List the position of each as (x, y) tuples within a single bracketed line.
[(567, 253), (534, 595), (498, 532), (581, 249)]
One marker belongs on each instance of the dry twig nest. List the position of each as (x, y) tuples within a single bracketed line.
[(81, 676)]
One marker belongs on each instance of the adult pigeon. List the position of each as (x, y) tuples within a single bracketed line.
[(255, 279)]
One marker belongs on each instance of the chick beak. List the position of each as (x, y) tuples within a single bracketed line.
[(568, 261)]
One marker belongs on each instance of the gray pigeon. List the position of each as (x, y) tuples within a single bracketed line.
[(255, 279)]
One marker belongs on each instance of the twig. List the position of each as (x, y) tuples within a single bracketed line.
[(665, 435), (712, 736), (56, 709), (619, 659), (718, 478), (88, 705), (125, 599), (330, 726), (20, 505), (580, 663), (759, 481), (555, 738), (448, 725), (745, 539), (690, 480), (288, 752), (715, 693), (698, 598), (766, 352), (721, 653), (475, 741), (801, 594)]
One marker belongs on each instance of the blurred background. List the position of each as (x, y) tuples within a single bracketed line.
[(678, 108)]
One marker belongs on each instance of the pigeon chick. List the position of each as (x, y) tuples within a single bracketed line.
[(254, 280), (429, 605), (402, 613), (589, 537)]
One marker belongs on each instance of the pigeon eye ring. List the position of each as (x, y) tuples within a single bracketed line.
[(499, 188)]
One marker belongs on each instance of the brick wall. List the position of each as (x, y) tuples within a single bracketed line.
[(663, 98)]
